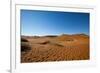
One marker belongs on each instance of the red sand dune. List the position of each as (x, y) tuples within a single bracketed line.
[(54, 48)]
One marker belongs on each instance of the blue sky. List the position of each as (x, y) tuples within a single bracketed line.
[(35, 22)]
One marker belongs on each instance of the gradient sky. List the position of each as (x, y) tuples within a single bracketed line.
[(35, 22)]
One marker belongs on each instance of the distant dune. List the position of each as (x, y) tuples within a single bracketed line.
[(54, 48)]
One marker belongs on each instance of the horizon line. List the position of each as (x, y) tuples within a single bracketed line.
[(56, 34)]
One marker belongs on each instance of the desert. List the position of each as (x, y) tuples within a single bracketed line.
[(48, 48)]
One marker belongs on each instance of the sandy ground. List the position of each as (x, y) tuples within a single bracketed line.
[(54, 48)]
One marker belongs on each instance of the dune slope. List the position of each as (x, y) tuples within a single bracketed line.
[(54, 48)]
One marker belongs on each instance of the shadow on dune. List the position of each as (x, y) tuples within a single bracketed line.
[(25, 45)]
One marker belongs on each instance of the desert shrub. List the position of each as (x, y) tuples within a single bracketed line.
[(25, 47), (24, 40)]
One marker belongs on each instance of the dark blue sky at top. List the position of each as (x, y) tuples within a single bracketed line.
[(35, 22)]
